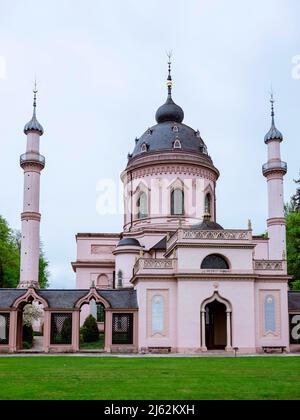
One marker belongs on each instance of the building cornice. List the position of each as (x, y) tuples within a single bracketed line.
[(92, 264)]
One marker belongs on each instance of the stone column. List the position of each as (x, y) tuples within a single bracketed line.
[(228, 329), (203, 341)]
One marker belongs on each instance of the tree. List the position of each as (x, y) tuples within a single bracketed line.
[(10, 244), (293, 247), (32, 312), (292, 213), (90, 332), (296, 198)]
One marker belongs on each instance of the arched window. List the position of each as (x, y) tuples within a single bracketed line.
[(175, 129), (157, 314), (214, 262), (207, 204), (270, 315), (142, 207), (177, 202), (102, 281), (120, 278), (100, 312), (177, 144), (144, 148)]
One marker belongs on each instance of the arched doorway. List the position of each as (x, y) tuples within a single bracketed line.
[(215, 326), (92, 334), (216, 331), (30, 322)]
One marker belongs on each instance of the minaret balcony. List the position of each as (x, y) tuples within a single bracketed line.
[(32, 158), (274, 166)]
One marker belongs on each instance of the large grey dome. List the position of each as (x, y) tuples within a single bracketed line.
[(170, 133), (166, 136)]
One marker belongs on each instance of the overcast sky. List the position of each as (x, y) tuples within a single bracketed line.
[(101, 70)]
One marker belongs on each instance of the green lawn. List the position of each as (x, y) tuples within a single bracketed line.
[(149, 378), (95, 345)]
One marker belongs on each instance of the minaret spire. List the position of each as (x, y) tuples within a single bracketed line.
[(169, 80), (33, 124), (32, 163), (274, 171), (35, 91)]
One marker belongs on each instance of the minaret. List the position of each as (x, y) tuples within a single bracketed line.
[(274, 170), (32, 163)]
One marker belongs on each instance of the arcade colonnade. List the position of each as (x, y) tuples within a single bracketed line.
[(61, 330)]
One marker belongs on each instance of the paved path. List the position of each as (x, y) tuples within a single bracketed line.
[(28, 354)]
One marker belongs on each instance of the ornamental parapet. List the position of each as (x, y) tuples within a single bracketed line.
[(185, 236), (159, 265), (269, 265)]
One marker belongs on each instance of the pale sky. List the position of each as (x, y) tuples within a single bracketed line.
[(101, 70)]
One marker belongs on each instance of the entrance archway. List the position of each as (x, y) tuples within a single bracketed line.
[(93, 305), (215, 326), (216, 314), (30, 322)]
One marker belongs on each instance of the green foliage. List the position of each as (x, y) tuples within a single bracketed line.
[(27, 335), (10, 245), (292, 212), (89, 330)]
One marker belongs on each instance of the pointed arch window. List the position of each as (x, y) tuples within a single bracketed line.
[(177, 202), (177, 144), (157, 314), (270, 314), (144, 148), (207, 205), (142, 206)]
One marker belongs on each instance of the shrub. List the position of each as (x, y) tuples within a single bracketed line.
[(28, 334), (90, 332)]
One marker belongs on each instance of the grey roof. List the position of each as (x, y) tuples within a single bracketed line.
[(67, 299), (120, 299), (8, 296), (294, 300), (128, 242), (162, 137), (161, 245), (62, 299), (207, 225)]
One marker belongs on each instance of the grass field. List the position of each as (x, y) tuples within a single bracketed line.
[(149, 378)]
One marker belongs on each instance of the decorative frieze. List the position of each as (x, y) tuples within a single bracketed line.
[(237, 235), (154, 264), (268, 265), (173, 169)]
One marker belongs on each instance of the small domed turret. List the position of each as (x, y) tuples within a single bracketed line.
[(273, 133), (33, 124)]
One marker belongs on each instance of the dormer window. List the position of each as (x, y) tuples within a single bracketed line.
[(144, 148), (177, 144), (149, 131), (136, 140), (175, 129), (198, 133)]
